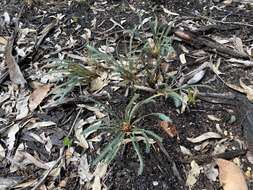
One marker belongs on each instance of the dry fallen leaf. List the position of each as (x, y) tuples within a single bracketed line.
[(182, 59), (205, 136), (12, 136), (99, 173), (8, 182), (81, 140), (25, 184), (97, 84), (213, 118), (197, 77), (3, 40), (22, 105), (84, 170), (2, 153), (15, 73), (230, 176), (38, 96), (238, 44), (193, 174)]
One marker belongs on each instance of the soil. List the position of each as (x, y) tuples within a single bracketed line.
[(158, 173)]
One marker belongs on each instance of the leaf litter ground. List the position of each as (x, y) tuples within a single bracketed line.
[(34, 126)]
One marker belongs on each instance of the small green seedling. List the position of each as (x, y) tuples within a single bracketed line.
[(67, 142)]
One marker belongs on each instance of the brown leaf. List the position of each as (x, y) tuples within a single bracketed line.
[(169, 128), (3, 40), (230, 176), (16, 75), (38, 96)]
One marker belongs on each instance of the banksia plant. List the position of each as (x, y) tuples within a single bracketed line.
[(126, 129)]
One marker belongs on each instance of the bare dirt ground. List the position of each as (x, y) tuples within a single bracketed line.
[(45, 147)]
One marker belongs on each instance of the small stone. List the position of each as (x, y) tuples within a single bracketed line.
[(155, 183)]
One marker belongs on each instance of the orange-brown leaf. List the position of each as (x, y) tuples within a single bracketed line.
[(169, 128), (38, 96), (230, 176)]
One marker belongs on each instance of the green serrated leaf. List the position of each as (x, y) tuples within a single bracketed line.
[(146, 141), (151, 133), (138, 152), (129, 107), (109, 148)]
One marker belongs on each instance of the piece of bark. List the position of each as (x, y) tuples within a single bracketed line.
[(15, 73), (195, 40)]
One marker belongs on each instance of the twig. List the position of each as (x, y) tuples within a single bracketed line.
[(226, 22), (74, 123), (174, 167), (48, 171)]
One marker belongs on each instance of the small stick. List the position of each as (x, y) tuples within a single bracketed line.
[(48, 171)]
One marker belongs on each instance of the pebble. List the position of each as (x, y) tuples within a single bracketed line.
[(155, 183)]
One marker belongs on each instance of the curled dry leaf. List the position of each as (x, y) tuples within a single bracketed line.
[(97, 84), (2, 153), (99, 174), (205, 136), (213, 118), (246, 63), (230, 176), (169, 128), (25, 185), (7, 183), (80, 135), (84, 170), (211, 171), (15, 73), (22, 105), (197, 77), (87, 34), (182, 59), (238, 44), (3, 40), (193, 174), (38, 96), (12, 136), (185, 151)]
